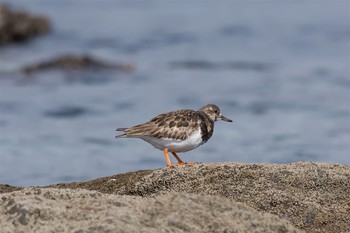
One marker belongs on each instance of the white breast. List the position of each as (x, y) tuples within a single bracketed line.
[(172, 145)]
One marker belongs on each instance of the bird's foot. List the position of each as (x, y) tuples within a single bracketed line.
[(190, 162), (181, 164)]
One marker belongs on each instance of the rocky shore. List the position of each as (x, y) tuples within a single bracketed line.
[(18, 26), (221, 197), (70, 62)]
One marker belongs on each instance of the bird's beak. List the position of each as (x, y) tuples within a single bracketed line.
[(223, 118)]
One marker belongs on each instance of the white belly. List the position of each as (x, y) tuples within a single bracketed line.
[(172, 145)]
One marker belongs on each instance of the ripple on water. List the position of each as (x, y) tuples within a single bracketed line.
[(66, 112), (226, 65), (237, 30), (97, 141), (126, 105)]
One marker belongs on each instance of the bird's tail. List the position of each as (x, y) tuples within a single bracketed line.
[(121, 135)]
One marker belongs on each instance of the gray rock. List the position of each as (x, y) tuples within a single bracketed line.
[(312, 196), (315, 197), (64, 210), (17, 26), (75, 62)]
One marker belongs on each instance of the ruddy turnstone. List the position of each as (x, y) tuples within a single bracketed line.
[(177, 131)]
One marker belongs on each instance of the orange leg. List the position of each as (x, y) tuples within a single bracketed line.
[(180, 162), (167, 158)]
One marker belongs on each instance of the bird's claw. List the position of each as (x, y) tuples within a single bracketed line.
[(181, 164)]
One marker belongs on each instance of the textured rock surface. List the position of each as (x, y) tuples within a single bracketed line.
[(63, 210), (20, 26), (314, 197), (5, 188)]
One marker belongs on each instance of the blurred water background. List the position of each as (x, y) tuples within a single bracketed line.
[(279, 69)]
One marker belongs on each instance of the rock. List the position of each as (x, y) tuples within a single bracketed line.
[(17, 26), (64, 210), (75, 62), (5, 188), (312, 196), (110, 184), (315, 197)]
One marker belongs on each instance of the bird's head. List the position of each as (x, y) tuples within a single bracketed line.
[(213, 112)]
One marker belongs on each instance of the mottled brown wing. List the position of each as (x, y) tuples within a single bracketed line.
[(176, 125)]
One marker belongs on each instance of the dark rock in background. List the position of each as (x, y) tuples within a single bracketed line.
[(75, 62), (19, 26)]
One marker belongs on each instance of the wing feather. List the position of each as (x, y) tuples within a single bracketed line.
[(176, 125)]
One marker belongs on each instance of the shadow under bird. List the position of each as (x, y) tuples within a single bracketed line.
[(177, 131)]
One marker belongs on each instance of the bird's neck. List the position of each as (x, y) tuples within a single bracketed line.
[(207, 116), (207, 126)]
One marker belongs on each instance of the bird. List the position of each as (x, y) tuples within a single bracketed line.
[(177, 131)]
